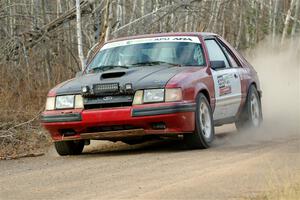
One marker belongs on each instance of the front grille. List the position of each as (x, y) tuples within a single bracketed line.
[(107, 105), (108, 101)]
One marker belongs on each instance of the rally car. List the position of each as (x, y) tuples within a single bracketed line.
[(155, 86)]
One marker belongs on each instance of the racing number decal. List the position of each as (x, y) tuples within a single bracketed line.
[(224, 84)]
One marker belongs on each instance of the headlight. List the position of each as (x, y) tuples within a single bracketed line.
[(154, 95), (157, 95), (50, 103), (63, 102)]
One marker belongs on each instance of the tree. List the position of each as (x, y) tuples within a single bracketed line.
[(296, 16), (287, 21), (79, 34)]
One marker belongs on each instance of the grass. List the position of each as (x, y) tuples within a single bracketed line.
[(289, 192), (24, 141), (23, 92)]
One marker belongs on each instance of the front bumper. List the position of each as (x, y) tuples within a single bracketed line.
[(177, 117)]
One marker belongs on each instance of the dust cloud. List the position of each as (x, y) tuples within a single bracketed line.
[(278, 69)]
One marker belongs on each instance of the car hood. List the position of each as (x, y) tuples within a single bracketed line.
[(139, 77)]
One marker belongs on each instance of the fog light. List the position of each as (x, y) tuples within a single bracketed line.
[(159, 126), (85, 89), (128, 86)]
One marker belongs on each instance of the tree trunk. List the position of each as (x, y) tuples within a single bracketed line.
[(287, 21), (216, 14), (224, 18), (212, 14), (142, 8), (110, 16), (58, 13), (186, 21), (172, 18), (11, 17), (79, 34), (132, 15), (270, 17), (46, 53), (239, 34), (124, 12), (274, 32), (296, 16), (119, 14)]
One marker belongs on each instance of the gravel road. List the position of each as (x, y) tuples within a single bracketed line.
[(238, 165)]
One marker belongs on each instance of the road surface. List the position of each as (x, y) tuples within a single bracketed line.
[(239, 165)]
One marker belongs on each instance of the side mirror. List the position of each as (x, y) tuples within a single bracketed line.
[(218, 64), (78, 74)]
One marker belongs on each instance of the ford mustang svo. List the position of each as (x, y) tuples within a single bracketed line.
[(155, 86)]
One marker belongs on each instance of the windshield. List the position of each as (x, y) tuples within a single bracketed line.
[(147, 54)]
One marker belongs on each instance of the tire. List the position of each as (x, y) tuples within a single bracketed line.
[(251, 116), (204, 131), (64, 148)]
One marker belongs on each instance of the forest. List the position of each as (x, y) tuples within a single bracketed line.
[(45, 42)]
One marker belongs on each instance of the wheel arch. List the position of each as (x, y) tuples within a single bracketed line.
[(205, 93), (204, 88), (255, 85)]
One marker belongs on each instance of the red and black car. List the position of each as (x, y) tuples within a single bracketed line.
[(160, 85)]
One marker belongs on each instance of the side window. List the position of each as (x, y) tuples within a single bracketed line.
[(215, 52), (229, 56)]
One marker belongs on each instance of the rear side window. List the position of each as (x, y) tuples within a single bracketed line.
[(232, 60), (215, 52)]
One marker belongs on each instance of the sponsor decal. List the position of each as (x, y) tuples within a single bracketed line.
[(191, 39), (173, 39), (224, 84)]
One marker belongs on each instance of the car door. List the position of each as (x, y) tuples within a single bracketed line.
[(227, 82)]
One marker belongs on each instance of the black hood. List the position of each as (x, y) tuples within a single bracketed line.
[(139, 77)]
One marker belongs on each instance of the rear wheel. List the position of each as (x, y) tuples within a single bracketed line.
[(204, 133), (251, 116), (64, 148)]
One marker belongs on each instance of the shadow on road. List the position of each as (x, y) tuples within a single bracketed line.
[(227, 139), (156, 146)]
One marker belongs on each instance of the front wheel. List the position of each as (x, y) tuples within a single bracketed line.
[(204, 132), (251, 116), (64, 148)]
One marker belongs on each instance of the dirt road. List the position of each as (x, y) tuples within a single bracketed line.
[(235, 167)]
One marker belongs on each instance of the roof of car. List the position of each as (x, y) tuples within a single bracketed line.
[(203, 34)]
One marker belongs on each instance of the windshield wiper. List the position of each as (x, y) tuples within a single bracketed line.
[(152, 63), (108, 67)]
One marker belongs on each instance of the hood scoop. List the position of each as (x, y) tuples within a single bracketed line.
[(112, 75)]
